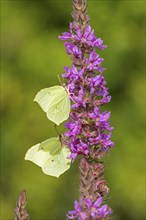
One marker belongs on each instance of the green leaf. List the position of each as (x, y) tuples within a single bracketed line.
[(51, 156), (55, 102)]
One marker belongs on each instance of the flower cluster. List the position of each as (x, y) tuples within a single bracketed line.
[(84, 40), (88, 127), (86, 209)]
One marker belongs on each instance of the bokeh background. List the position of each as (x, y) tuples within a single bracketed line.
[(32, 56)]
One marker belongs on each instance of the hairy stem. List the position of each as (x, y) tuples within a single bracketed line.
[(92, 183)]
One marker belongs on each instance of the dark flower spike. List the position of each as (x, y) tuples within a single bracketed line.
[(20, 211)]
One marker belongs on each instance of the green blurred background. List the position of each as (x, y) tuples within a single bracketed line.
[(32, 56)]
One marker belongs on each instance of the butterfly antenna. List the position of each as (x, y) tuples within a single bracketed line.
[(59, 79), (107, 198), (72, 98)]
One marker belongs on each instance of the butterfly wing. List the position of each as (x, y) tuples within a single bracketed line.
[(59, 112), (40, 153), (55, 102), (58, 163), (51, 156)]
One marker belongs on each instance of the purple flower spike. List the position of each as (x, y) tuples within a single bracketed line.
[(88, 131), (87, 92)]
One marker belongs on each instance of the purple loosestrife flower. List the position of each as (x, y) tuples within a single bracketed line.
[(87, 92), (86, 209), (86, 39), (94, 61), (73, 73), (71, 49), (88, 128)]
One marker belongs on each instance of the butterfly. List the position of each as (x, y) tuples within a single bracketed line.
[(55, 102), (51, 155)]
